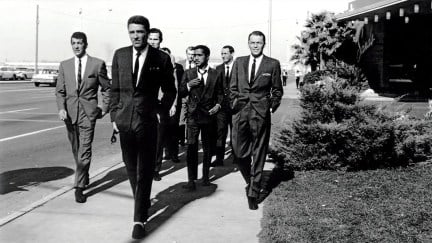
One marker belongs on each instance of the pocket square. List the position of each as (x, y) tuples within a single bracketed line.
[(266, 74)]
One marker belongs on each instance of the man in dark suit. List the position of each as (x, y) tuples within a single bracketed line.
[(187, 63), (77, 101), (223, 117), (203, 85), (138, 72), (255, 93), (166, 117)]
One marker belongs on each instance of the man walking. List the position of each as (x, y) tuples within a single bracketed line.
[(138, 72), (77, 101), (223, 117), (203, 85), (256, 92)]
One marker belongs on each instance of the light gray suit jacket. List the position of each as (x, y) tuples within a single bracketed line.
[(69, 96)]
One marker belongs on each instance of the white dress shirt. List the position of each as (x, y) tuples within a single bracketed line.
[(83, 66), (230, 65), (141, 60), (257, 64)]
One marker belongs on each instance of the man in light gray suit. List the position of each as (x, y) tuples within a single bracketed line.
[(77, 101)]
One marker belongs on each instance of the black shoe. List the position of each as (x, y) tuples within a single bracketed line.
[(157, 176), (175, 160), (138, 231), (190, 186), (216, 163), (79, 196), (253, 205), (205, 182)]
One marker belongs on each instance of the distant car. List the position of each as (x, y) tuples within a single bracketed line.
[(24, 73), (7, 73), (45, 76)]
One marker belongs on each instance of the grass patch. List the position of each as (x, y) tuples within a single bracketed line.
[(384, 205)]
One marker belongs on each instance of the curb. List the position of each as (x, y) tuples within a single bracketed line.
[(50, 197)]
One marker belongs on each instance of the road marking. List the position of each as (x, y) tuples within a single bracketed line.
[(20, 90), (30, 133), (4, 112), (29, 120)]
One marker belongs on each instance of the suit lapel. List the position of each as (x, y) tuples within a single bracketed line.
[(246, 69), (70, 76), (260, 69), (209, 82), (86, 70), (146, 64)]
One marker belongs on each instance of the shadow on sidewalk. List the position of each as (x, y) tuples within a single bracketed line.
[(16, 180), (111, 179)]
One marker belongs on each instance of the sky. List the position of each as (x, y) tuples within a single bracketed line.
[(214, 23)]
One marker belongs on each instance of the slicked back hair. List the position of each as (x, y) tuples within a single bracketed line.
[(258, 33), (138, 19)]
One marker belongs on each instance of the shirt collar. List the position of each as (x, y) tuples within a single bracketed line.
[(83, 58), (143, 52), (257, 59), (205, 69)]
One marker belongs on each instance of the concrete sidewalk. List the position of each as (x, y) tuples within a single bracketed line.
[(218, 213)]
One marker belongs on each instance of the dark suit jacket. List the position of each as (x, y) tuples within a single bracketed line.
[(226, 85), (265, 92), (156, 73), (202, 99), (69, 95)]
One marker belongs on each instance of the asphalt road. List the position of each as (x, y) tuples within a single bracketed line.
[(36, 157)]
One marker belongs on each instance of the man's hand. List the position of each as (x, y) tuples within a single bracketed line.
[(63, 114), (173, 110), (215, 109), (194, 82), (115, 127)]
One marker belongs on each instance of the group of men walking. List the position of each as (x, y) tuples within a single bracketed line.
[(149, 96)]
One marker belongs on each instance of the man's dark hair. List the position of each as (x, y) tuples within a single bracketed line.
[(156, 30), (204, 48), (138, 19), (230, 48), (80, 35), (166, 49), (258, 33)]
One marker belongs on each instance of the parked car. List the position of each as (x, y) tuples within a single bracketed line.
[(7, 73), (24, 73), (45, 76)]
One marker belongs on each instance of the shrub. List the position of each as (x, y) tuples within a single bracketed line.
[(336, 130)]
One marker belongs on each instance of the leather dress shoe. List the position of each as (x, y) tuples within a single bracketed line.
[(157, 176), (138, 231), (205, 182), (216, 163), (190, 186), (79, 196)]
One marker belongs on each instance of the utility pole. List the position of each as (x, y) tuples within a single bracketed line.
[(269, 27), (37, 38)]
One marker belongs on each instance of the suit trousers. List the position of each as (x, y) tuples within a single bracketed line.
[(223, 121), (81, 136), (139, 153), (194, 130), (167, 138), (250, 139)]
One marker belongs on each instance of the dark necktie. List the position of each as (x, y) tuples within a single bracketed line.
[(202, 75), (252, 75), (79, 78), (190, 66), (136, 68), (227, 73)]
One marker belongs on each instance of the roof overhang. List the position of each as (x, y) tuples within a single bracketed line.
[(372, 8)]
